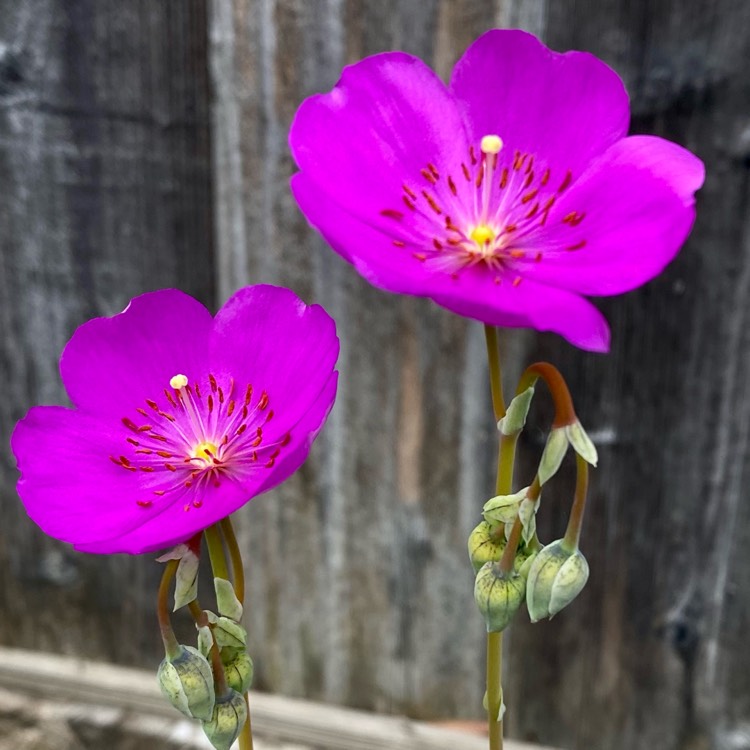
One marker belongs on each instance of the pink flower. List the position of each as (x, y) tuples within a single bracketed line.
[(180, 418), (506, 196)]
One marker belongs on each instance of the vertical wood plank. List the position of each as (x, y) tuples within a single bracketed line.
[(104, 165)]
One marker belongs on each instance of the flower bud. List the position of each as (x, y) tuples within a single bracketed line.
[(503, 508), (225, 725), (484, 546), (238, 668), (226, 600), (515, 417), (555, 578), (187, 683), (553, 454), (527, 514), (582, 443), (498, 595)]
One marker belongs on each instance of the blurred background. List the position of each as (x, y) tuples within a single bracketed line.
[(143, 145)]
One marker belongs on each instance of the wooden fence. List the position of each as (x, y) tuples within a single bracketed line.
[(143, 145)]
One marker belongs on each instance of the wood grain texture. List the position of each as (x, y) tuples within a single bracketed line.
[(360, 588), (105, 173)]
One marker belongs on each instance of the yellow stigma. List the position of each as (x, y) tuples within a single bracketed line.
[(491, 144), (178, 381), (482, 234), (205, 450)]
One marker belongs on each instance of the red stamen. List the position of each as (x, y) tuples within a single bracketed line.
[(392, 214)]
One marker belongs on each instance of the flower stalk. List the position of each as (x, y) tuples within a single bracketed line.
[(575, 522), (506, 457), (171, 645)]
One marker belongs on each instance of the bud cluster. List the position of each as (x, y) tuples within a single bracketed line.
[(512, 567), (208, 682)]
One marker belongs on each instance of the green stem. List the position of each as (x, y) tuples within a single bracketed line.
[(216, 552), (246, 736), (505, 460), (494, 688), (171, 645), (238, 573), (573, 532), (496, 381)]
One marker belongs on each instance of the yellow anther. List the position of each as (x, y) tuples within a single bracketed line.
[(178, 381), (205, 450), (491, 144), (482, 234)]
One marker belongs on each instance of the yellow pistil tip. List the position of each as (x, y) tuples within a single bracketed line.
[(178, 381), (491, 144), (204, 450), (482, 234)]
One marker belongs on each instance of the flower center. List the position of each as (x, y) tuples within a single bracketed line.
[(200, 434), (483, 234), (205, 450)]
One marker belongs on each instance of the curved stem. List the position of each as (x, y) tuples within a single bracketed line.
[(496, 381), (238, 573), (216, 552), (171, 645), (573, 532), (564, 411), (506, 458)]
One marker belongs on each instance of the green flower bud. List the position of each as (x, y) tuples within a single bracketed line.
[(581, 443), (503, 508), (555, 578), (238, 668), (553, 454), (527, 513), (498, 595), (225, 725), (557, 446), (187, 683), (226, 600), (484, 547), (515, 417)]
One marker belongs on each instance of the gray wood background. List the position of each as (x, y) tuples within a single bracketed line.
[(143, 144)]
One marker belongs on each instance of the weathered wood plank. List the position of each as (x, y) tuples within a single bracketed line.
[(275, 719), (104, 166), (379, 611)]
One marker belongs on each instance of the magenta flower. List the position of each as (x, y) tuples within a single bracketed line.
[(180, 418), (504, 197)]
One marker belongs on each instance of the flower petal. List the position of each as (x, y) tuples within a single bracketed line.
[(112, 364), (637, 204), (473, 293), (386, 119), (68, 484), (369, 250), (174, 525), (525, 305), (267, 336), (564, 109)]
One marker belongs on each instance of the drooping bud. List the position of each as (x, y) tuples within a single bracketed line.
[(518, 409), (238, 668), (503, 508), (187, 683), (484, 546), (498, 595), (186, 577), (582, 443), (527, 514), (554, 452), (225, 725), (555, 578), (226, 600), (227, 633)]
